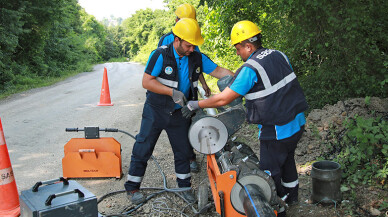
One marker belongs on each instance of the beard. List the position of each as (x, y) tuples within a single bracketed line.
[(181, 51)]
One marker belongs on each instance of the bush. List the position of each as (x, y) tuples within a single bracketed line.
[(364, 154)]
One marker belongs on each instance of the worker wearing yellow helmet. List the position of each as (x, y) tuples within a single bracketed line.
[(274, 100), (183, 11), (171, 77), (186, 11)]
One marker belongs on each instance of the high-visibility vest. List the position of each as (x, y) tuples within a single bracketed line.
[(277, 97), (169, 76)]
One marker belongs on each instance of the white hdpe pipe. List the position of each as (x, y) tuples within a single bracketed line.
[(210, 111)]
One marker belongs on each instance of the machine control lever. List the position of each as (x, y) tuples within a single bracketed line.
[(93, 132)]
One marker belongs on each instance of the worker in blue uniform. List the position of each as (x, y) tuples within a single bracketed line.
[(186, 11), (171, 77), (274, 100)]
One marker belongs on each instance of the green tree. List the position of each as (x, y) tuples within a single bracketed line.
[(94, 35), (11, 27), (341, 48), (142, 31), (44, 39)]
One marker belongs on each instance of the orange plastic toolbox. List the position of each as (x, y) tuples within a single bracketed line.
[(85, 158)]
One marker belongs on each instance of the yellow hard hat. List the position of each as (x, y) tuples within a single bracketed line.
[(185, 11), (188, 30), (243, 30)]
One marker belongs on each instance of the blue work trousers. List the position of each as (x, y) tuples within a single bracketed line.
[(277, 156), (154, 120)]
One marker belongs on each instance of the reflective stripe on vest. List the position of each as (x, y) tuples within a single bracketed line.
[(173, 83), (271, 89), (183, 176), (262, 72), (290, 184), (195, 84), (166, 82), (285, 57), (134, 178)]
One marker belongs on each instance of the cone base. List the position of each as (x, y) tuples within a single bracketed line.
[(11, 213), (105, 104)]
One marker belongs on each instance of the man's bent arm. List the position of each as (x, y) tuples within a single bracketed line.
[(205, 87), (150, 83), (220, 72)]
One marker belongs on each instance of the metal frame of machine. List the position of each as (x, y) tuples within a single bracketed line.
[(221, 186), (238, 186)]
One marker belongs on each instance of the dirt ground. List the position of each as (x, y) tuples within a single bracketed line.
[(364, 202)]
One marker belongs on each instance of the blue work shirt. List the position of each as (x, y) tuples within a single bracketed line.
[(244, 81), (183, 70)]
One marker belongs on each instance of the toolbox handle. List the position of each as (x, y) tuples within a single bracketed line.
[(52, 196), (86, 150), (36, 186), (76, 129), (73, 129)]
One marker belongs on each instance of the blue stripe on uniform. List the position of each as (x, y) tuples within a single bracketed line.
[(282, 132), (290, 128)]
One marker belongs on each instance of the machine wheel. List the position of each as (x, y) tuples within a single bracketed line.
[(202, 197)]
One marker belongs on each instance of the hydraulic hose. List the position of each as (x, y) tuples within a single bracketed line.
[(161, 190), (121, 131)]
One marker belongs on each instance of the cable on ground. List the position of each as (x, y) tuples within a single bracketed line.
[(161, 190)]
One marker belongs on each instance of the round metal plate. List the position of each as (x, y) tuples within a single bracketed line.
[(208, 135), (248, 180)]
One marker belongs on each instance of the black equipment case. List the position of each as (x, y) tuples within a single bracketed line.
[(58, 198)]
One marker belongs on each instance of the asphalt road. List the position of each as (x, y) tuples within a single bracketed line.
[(34, 122)]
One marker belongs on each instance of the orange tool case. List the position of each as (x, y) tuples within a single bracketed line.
[(91, 156)]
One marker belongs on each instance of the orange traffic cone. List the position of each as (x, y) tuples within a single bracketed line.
[(105, 95), (9, 196)]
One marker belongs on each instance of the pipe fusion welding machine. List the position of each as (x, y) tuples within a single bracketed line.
[(238, 186)]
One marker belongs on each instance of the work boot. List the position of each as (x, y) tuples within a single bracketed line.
[(292, 198), (189, 196), (282, 214), (136, 197), (194, 166)]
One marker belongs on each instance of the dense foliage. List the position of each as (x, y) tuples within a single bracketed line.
[(363, 151), (44, 39), (141, 32)]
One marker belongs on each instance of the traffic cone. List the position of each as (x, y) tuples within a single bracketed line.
[(9, 196), (105, 95)]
